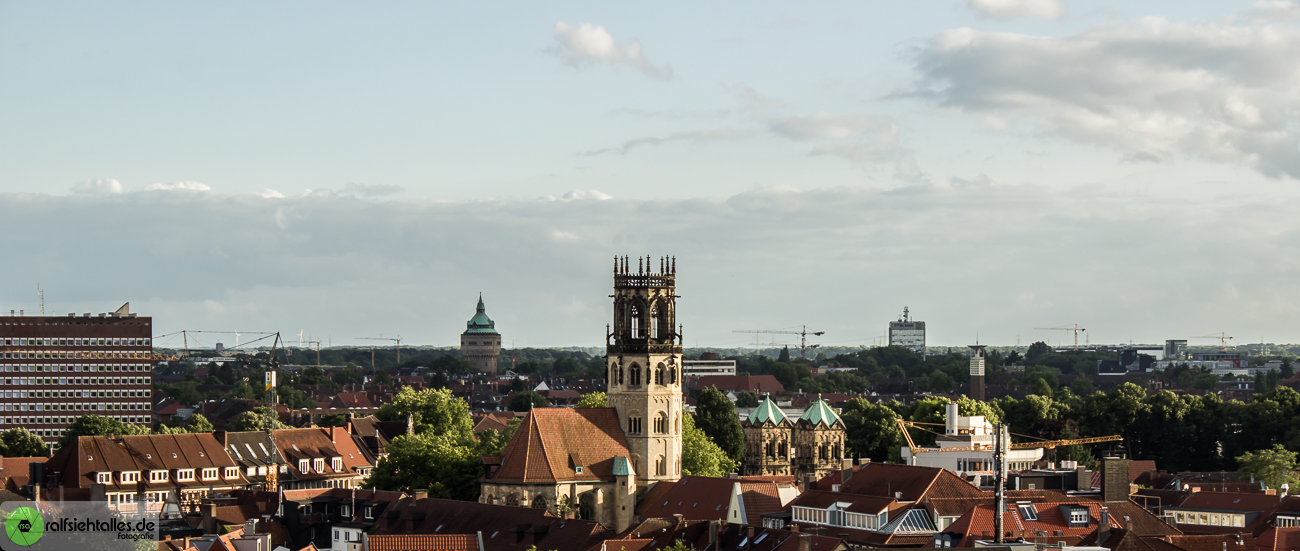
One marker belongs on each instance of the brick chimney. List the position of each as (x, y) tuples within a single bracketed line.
[(1103, 527), (805, 542), (220, 435)]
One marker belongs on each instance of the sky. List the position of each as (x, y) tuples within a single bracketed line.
[(348, 170)]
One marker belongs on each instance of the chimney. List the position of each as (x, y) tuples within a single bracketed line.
[(749, 537), (805, 542), (209, 522), (1103, 527), (250, 527), (713, 535), (220, 435), (420, 494), (1114, 479)]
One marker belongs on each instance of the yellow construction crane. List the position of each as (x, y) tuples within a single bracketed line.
[(1046, 444), (803, 337), (397, 341), (1223, 339), (1074, 328)]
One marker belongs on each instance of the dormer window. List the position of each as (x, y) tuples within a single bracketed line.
[(157, 476), (337, 464), (103, 478), (232, 472), (302, 466), (126, 477), (578, 469), (209, 473), (184, 474), (318, 465)]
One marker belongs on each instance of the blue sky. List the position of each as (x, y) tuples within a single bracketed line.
[(349, 169)]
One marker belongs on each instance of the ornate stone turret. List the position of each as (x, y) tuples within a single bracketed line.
[(767, 440)]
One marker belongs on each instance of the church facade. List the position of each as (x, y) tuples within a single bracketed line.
[(595, 460), (812, 445)]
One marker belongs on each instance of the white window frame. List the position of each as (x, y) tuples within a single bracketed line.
[(209, 473), (336, 463), (184, 474), (303, 466), (157, 476), (127, 477), (103, 477), (318, 464), (232, 472)]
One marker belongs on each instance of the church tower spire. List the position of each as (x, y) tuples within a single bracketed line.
[(644, 354)]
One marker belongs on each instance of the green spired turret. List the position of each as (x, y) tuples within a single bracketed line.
[(820, 412), (767, 411), (481, 323), (480, 343)]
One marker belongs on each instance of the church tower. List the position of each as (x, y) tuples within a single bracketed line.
[(644, 358)]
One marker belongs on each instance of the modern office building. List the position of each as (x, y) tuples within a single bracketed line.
[(57, 368), (708, 364), (907, 333), (1175, 349)]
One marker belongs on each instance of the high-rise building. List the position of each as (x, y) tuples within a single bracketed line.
[(480, 343), (907, 333), (977, 372), (1176, 349), (58, 368)]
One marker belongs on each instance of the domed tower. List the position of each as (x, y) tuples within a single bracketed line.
[(480, 343), (767, 440), (643, 353), (819, 439)]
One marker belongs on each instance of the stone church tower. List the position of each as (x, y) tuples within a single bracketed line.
[(644, 354)]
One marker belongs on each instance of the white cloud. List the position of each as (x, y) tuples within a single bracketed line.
[(98, 187), (1226, 91), (371, 190), (862, 139), (690, 135), (269, 193), (828, 126), (588, 43), (1014, 9), (188, 185), (335, 265)]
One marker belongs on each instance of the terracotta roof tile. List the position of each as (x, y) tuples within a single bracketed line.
[(755, 383), (423, 542), (627, 545), (551, 440), (1279, 539), (504, 528), (913, 483)]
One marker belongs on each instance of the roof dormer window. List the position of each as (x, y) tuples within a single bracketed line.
[(337, 464), (318, 465), (302, 466), (103, 478), (184, 474)]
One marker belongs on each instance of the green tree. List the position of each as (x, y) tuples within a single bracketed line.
[(198, 423), (871, 430), (313, 376), (784, 357), (333, 420), (747, 399), (1043, 389), (383, 379), (1274, 467), (527, 400), (20, 442), (700, 455), (445, 464), (95, 425), (593, 400), (1082, 386), (716, 416), (259, 418), (434, 410)]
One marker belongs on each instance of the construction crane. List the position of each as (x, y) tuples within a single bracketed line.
[(1223, 339), (1046, 444), (397, 341), (1075, 328), (803, 337)]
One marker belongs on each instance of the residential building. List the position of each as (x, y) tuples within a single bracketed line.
[(333, 518), (315, 457), (706, 535), (737, 501), (58, 368), (480, 343), (146, 468), (907, 333), (503, 528)]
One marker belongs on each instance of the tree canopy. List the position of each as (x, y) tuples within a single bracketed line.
[(593, 400), (95, 425), (259, 418), (20, 442), (700, 455), (1274, 467), (527, 400), (716, 416)]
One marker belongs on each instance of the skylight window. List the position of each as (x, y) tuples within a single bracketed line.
[(1027, 511)]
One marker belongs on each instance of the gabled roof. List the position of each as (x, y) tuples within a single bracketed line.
[(552, 442), (859, 504), (709, 498), (766, 411), (1279, 539), (820, 412), (324, 443), (908, 483), (90, 454), (695, 535), (1052, 525), (755, 383), (504, 528), (423, 542)]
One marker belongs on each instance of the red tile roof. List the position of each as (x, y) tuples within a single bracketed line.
[(755, 383), (423, 542), (504, 528), (496, 420), (978, 523), (908, 482), (92, 454), (1279, 539), (551, 442), (320, 442), (626, 545)]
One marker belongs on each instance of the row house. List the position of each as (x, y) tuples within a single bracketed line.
[(147, 468), (316, 457)]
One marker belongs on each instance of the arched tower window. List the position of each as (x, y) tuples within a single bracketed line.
[(634, 424), (661, 466), (672, 375), (659, 374), (613, 373), (654, 323), (539, 502), (620, 374), (587, 505), (661, 423), (635, 321), (636, 375), (512, 500)]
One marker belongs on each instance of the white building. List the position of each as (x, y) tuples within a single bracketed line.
[(907, 333), (971, 442), (700, 368)]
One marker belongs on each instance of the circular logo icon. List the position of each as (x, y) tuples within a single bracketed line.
[(25, 526)]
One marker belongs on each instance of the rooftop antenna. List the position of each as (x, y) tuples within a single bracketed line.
[(41, 292)]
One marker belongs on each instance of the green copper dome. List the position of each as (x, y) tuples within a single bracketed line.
[(767, 411), (820, 412), (480, 323)]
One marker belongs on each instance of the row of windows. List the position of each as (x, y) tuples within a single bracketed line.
[(318, 465), (1210, 519), (97, 367), (114, 381), (161, 475), (836, 517), (75, 394), (71, 355), (634, 425), (663, 375), (35, 341), (76, 407)]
